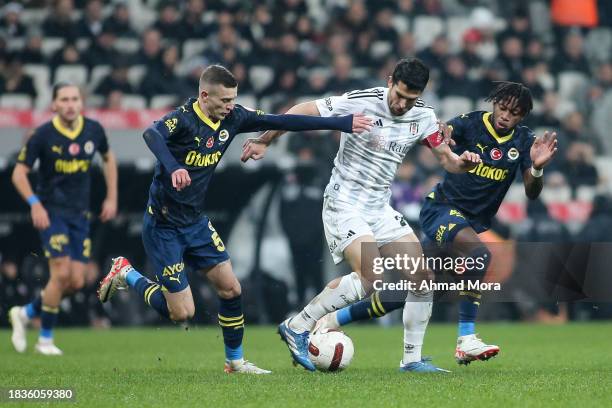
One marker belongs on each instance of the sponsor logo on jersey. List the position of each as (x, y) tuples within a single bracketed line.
[(197, 159), (490, 172), (223, 136), (198, 140), (71, 166), (172, 269), (513, 153), (89, 147), (481, 147), (171, 123), (378, 123), (496, 154), (440, 233), (329, 105), (74, 149)]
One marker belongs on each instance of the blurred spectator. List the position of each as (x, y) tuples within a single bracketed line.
[(519, 26), (511, 61), (571, 57), (150, 53), (383, 26), (315, 84), (59, 22), (192, 25), (341, 80), (575, 130), (10, 25), (288, 53), (362, 48), (102, 51), (598, 226), (90, 25), (455, 82), (601, 84), (119, 22), (241, 73), (68, 55), (165, 80), (406, 192), (356, 17), (429, 8), (435, 55), (287, 12), (469, 50), (547, 117), (16, 80), (483, 22), (168, 22), (406, 46), (32, 52), (114, 100), (285, 84), (117, 80), (529, 78), (578, 166)]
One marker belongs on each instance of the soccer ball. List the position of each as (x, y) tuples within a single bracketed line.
[(330, 350)]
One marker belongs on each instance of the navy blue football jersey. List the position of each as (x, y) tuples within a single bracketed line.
[(65, 155), (480, 192)]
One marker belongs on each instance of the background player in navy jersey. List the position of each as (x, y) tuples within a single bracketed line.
[(188, 143), (463, 205), (64, 147)]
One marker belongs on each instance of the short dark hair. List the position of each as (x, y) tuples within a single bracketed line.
[(60, 85), (412, 72), (505, 90), (218, 75)]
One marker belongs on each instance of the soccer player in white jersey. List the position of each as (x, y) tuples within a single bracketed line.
[(356, 208)]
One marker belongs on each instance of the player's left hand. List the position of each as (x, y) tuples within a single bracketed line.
[(254, 148), (447, 132), (543, 149), (109, 209), (361, 123), (469, 160)]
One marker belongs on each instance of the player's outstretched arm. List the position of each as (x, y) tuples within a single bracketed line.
[(40, 218), (109, 206), (542, 152)]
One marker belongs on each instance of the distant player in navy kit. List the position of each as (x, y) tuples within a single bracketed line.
[(463, 205), (64, 147), (188, 143)]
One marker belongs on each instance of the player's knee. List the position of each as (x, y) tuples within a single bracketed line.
[(230, 291), (77, 284)]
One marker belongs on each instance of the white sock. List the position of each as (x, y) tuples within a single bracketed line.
[(417, 312), (348, 291)]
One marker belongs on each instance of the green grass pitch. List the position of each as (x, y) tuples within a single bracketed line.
[(539, 366)]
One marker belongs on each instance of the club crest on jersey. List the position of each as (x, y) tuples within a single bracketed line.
[(210, 142), (89, 147), (223, 136), (414, 128), (496, 154), (74, 149), (513, 153)]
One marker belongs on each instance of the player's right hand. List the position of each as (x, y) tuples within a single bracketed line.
[(253, 148), (447, 133), (180, 179), (40, 218), (361, 123)]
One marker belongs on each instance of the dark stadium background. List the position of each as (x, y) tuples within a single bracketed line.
[(136, 59)]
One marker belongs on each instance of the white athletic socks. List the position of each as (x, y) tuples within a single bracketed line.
[(348, 291), (417, 312)]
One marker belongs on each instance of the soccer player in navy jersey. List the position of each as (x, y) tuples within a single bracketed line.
[(189, 143), (64, 147), (463, 205)]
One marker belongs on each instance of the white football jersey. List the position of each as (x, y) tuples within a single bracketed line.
[(366, 163)]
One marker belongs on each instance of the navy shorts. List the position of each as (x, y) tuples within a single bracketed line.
[(170, 248), (68, 235), (441, 221)]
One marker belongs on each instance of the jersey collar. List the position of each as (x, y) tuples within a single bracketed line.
[(204, 118), (493, 132), (69, 133)]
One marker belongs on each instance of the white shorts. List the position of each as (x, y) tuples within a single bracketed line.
[(343, 224)]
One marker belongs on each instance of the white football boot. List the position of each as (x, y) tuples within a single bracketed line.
[(471, 347), (19, 322), (115, 279), (243, 367), (47, 348)]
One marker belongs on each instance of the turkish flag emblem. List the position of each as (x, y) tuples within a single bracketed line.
[(210, 142), (74, 149), (496, 154)]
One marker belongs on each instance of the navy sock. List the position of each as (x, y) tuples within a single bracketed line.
[(377, 305), (48, 318), (468, 310), (231, 321), (149, 291), (34, 308)]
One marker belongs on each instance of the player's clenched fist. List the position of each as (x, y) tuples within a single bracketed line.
[(180, 179)]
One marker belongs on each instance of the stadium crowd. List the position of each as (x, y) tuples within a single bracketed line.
[(138, 54)]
